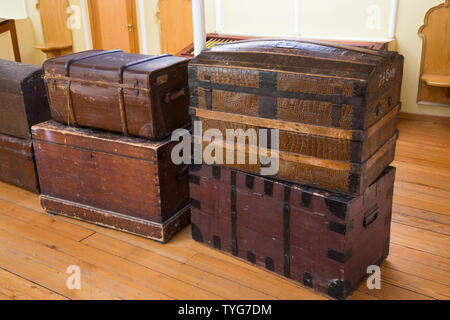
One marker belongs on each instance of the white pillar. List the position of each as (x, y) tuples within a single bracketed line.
[(297, 17), (86, 27), (393, 18), (218, 16), (198, 19), (143, 27)]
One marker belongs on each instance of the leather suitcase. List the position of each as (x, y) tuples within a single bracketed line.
[(122, 182), (17, 164), (138, 95), (321, 239), (23, 101), (336, 107)]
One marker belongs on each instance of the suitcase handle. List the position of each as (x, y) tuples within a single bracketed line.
[(172, 96), (370, 218)]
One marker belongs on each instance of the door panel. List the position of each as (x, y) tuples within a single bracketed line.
[(114, 25), (176, 25)]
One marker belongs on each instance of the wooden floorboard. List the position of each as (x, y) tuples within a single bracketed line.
[(36, 248)]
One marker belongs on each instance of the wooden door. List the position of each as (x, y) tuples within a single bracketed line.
[(176, 25), (114, 25)]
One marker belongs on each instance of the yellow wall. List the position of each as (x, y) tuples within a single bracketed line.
[(29, 33), (317, 17), (6, 51), (339, 19), (409, 44), (321, 18)]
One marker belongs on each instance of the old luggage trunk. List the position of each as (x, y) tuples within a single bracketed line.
[(126, 183), (139, 95), (17, 163), (323, 240), (23, 101), (336, 107)]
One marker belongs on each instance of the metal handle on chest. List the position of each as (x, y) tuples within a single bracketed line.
[(370, 218), (171, 96)]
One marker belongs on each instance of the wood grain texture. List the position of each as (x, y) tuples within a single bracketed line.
[(413, 269), (125, 183), (434, 80), (114, 25), (54, 15), (175, 18)]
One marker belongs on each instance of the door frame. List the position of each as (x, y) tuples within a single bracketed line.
[(131, 16)]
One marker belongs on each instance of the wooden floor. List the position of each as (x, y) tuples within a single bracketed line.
[(36, 248)]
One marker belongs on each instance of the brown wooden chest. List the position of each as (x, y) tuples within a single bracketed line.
[(23, 101), (17, 163), (321, 239), (138, 95), (125, 183), (336, 107)]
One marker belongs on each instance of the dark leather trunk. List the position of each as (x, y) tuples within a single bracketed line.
[(336, 107), (138, 95), (23, 101), (17, 163), (126, 183), (321, 239)]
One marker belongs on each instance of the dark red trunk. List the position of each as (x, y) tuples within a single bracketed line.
[(321, 239), (17, 163), (126, 183)]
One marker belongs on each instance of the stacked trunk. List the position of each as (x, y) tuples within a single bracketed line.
[(90, 165), (23, 103), (336, 111)]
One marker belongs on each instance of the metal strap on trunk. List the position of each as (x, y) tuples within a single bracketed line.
[(123, 116), (71, 111)]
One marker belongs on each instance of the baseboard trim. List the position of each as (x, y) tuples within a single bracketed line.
[(423, 117)]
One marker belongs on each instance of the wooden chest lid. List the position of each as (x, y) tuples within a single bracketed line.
[(98, 140), (13, 74), (315, 58)]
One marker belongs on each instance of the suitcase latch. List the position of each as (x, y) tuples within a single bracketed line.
[(136, 87)]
